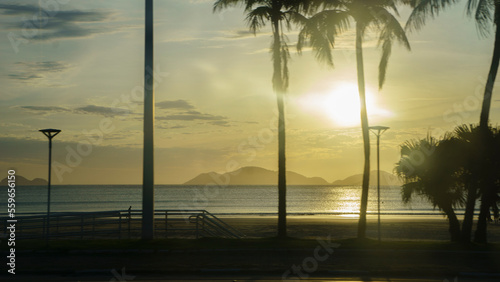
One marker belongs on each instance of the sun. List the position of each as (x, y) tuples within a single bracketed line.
[(341, 105)]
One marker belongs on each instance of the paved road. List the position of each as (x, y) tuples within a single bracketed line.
[(469, 277)]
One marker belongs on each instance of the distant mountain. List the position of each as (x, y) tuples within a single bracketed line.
[(252, 175), (385, 179), (22, 181)]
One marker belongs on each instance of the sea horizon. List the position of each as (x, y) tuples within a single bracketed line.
[(222, 200)]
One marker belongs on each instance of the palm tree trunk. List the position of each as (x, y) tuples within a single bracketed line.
[(454, 228), (279, 89), (469, 213), (480, 235), (488, 91), (365, 130)]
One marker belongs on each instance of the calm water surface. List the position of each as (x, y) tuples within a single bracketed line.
[(220, 200)]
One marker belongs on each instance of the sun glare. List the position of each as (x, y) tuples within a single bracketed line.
[(341, 105)]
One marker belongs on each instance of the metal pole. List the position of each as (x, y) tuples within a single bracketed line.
[(148, 154), (48, 193), (378, 182), (378, 130)]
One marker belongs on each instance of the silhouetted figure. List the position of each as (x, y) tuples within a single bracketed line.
[(129, 212)]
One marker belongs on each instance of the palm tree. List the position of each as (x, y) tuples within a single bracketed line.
[(321, 29), (489, 177), (468, 140), (485, 12), (433, 176), (277, 13)]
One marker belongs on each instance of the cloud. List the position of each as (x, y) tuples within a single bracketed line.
[(88, 109), (36, 71), (99, 110), (24, 76), (45, 109), (223, 123), (241, 33), (186, 112), (191, 116), (178, 104), (56, 24), (170, 127), (46, 66)]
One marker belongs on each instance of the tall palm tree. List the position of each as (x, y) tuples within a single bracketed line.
[(433, 177), (380, 14), (279, 14), (485, 12)]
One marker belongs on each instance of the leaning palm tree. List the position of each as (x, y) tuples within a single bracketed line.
[(331, 19), (486, 13), (433, 176), (278, 13)]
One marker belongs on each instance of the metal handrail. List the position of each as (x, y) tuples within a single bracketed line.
[(119, 223)]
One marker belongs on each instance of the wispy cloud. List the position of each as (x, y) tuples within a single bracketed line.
[(36, 72), (191, 116), (88, 109), (177, 104), (99, 110), (63, 24), (45, 109), (184, 111)]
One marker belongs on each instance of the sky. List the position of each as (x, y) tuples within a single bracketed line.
[(77, 66)]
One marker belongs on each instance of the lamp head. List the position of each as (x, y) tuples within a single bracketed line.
[(50, 132), (379, 128)]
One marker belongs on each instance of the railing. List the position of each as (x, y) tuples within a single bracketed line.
[(213, 226), (118, 225)]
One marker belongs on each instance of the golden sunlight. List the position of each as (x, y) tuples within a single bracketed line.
[(341, 105)]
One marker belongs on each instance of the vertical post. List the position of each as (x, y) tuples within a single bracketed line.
[(378, 130), (48, 192), (378, 184), (50, 133), (148, 154)]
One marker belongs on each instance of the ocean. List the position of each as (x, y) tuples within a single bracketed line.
[(227, 200)]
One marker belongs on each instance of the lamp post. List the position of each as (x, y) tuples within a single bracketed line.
[(378, 131), (50, 133), (148, 149)]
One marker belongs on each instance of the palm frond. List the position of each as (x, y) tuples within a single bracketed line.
[(285, 56), (391, 29), (384, 60), (220, 5), (483, 16), (257, 18), (422, 9), (249, 4), (320, 31)]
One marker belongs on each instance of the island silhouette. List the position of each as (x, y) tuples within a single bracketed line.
[(23, 181), (252, 175)]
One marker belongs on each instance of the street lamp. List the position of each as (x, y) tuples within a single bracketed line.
[(50, 133), (148, 150), (378, 131)]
